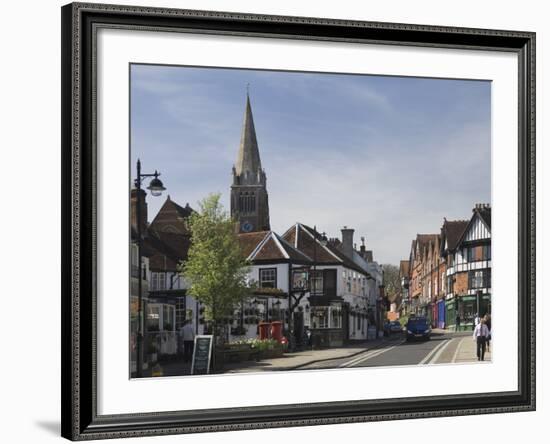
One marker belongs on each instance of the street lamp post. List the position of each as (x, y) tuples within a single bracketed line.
[(479, 296), (278, 304), (156, 187)]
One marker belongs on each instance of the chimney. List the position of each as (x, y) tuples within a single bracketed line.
[(362, 247), (347, 241), (369, 256), (133, 209)]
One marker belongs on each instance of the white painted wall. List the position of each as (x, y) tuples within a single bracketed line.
[(282, 274)]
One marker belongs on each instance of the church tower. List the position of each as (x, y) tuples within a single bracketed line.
[(249, 205)]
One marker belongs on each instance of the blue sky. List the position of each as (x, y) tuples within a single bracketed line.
[(387, 156)]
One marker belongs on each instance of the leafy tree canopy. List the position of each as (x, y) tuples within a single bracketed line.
[(215, 268), (392, 282)]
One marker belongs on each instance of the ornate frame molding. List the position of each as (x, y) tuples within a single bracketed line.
[(80, 22)]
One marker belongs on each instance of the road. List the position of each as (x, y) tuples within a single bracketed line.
[(440, 349)]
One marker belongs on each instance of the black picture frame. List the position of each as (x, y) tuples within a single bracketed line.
[(80, 420)]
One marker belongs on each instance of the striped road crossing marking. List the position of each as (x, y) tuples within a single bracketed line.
[(368, 355), (428, 359)]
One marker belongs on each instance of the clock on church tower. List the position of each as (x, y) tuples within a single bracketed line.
[(247, 227)]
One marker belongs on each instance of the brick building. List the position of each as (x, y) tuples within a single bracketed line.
[(448, 275), (468, 257), (422, 262)]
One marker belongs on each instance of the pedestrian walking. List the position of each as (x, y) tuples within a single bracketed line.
[(488, 324), (307, 337), (188, 336), (457, 322), (481, 332)]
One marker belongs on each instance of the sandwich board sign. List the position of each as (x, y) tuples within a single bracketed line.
[(202, 353)]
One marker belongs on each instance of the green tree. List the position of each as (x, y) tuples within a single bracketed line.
[(215, 268)]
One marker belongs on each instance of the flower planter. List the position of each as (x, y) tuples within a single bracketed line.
[(271, 353)]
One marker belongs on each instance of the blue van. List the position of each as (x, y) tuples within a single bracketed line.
[(418, 327)]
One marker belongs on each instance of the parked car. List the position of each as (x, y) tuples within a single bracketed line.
[(392, 327), (418, 328)]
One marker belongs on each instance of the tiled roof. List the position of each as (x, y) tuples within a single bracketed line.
[(171, 217), (453, 230), (302, 238), (166, 250), (292, 252), (425, 239), (267, 245), (249, 241)]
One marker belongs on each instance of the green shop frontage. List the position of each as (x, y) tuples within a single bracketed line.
[(466, 307)]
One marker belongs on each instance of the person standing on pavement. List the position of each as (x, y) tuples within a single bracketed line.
[(477, 319), (457, 320), (488, 324), (188, 335), (481, 332)]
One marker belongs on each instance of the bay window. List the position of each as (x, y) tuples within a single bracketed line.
[(326, 317)]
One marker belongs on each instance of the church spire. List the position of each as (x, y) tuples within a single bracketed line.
[(248, 163), (249, 199)]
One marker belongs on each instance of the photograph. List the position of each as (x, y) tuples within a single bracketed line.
[(303, 221), (275, 221)]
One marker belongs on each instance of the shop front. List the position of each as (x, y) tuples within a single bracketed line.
[(467, 309), (327, 326), (426, 311), (441, 321), (484, 304), (450, 313)]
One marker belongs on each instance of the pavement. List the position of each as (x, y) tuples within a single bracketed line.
[(461, 350), (289, 361), (306, 358), (444, 347)]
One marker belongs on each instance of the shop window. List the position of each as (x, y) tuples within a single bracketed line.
[(335, 317), (153, 317), (319, 317), (326, 317)]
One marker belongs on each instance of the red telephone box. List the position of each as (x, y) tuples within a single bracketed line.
[(263, 329), (277, 330)]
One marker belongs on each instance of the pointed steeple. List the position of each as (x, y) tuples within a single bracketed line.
[(249, 199), (248, 163)]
